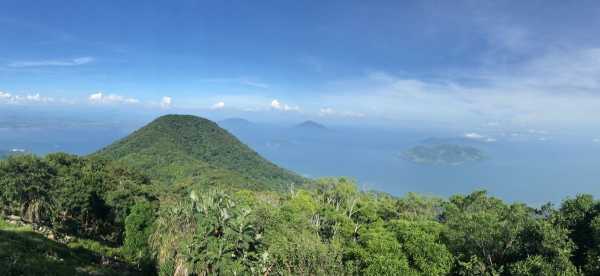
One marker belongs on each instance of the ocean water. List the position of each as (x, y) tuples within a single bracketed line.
[(75, 140), (534, 172), (531, 171)]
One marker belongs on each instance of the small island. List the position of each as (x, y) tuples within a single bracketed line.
[(310, 125), (443, 154)]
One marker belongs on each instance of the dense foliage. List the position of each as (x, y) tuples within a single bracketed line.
[(24, 251), (190, 149), (330, 229), (72, 195), (336, 229)]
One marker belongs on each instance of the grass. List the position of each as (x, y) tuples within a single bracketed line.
[(25, 252)]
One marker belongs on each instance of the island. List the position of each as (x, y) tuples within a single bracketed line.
[(443, 154), (310, 125)]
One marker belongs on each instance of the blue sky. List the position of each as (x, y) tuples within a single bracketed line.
[(523, 64)]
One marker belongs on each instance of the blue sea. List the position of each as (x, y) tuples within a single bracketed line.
[(531, 171)]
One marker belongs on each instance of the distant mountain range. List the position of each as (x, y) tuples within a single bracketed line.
[(185, 148)]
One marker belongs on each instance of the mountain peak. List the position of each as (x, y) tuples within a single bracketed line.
[(176, 148), (178, 119)]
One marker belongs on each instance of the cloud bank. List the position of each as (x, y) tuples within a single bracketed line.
[(275, 104), (24, 99), (218, 105), (560, 88), (101, 98), (166, 102)]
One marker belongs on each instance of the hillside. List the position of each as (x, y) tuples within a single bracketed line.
[(185, 148), (24, 251)]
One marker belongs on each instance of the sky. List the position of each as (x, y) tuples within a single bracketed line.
[(467, 64)]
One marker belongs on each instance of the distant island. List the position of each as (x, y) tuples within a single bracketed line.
[(443, 154), (310, 125)]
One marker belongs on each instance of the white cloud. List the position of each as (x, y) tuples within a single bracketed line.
[(95, 97), (101, 98), (328, 111), (596, 140), (480, 137), (275, 104), (473, 135), (35, 98), (42, 63), (218, 105), (4, 95), (353, 114), (550, 91), (23, 99), (537, 131), (166, 102)]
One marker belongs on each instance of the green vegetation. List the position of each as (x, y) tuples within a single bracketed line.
[(26, 252), (187, 149), (71, 195), (337, 230), (88, 215), (444, 154)]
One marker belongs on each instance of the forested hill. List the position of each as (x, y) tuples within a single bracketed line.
[(185, 148)]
